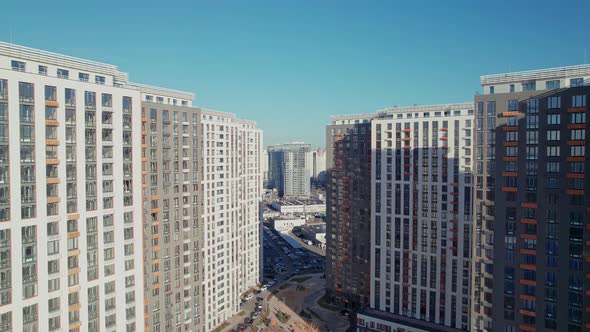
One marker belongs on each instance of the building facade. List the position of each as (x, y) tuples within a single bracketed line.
[(203, 186), (70, 195), (318, 166), (348, 210), (531, 208), (289, 169), (421, 212)]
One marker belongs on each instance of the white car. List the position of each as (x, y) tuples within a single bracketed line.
[(248, 297), (263, 288)]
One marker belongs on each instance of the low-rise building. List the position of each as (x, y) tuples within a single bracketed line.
[(285, 224), (300, 206), (315, 233)]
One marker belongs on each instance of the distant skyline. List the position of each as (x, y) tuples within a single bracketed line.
[(289, 65)]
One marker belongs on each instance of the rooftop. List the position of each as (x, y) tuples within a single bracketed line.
[(387, 112), (539, 74), (293, 202), (316, 228), (415, 323), (162, 91), (28, 53)]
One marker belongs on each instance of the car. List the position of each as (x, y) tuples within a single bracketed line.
[(263, 288), (248, 321), (344, 312), (272, 282), (248, 297)]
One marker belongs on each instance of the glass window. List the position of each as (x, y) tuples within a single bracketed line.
[(553, 119), (90, 99), (63, 73), (18, 65), (99, 79), (43, 70), (492, 90), (554, 102), (576, 82), (578, 117), (50, 93), (511, 87), (107, 100), (529, 86), (26, 91), (83, 77), (579, 101), (554, 84)]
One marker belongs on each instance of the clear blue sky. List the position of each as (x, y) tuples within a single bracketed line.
[(289, 65)]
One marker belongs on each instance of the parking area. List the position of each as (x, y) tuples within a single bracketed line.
[(281, 262)]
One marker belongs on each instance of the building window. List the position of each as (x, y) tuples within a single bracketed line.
[(552, 84), (554, 102), (553, 151), (553, 119), (63, 73), (511, 87), (578, 117), (579, 101), (553, 135), (43, 70), (99, 79), (576, 82), (18, 65), (529, 86), (84, 77), (492, 89)]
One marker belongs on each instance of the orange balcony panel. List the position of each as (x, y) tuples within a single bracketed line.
[(574, 176), (528, 267), (510, 128), (588, 292), (509, 174), (75, 325), (143, 119), (528, 251), (576, 109), (530, 205), (575, 192), (527, 328), (53, 200), (53, 123), (527, 313), (407, 130), (528, 221), (155, 210), (52, 180), (576, 126), (407, 138), (51, 103), (527, 282), (509, 158), (52, 161), (74, 216), (587, 325), (588, 209), (509, 189), (73, 235), (509, 143), (155, 197), (528, 236), (575, 159), (576, 142), (73, 271), (510, 113), (527, 297), (444, 138), (587, 309)]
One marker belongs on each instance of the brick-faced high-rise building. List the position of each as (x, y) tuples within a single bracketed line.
[(420, 218), (202, 186), (531, 249), (348, 209)]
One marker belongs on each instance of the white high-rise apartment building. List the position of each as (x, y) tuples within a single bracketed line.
[(289, 169), (421, 218), (70, 195), (318, 165), (231, 185)]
